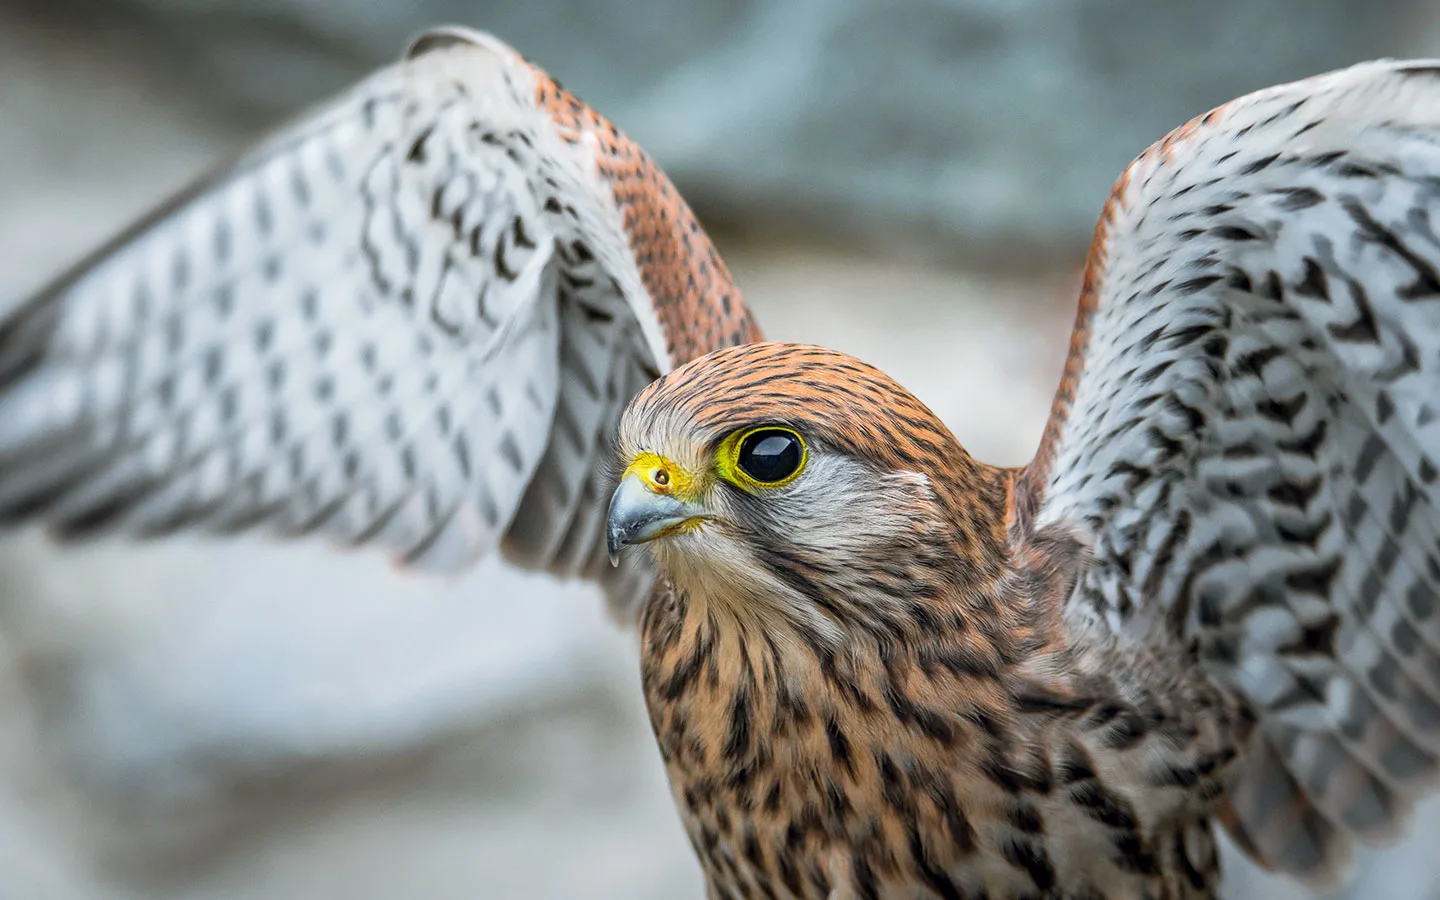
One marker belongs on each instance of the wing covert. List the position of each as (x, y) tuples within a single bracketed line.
[(1246, 434), (410, 319)]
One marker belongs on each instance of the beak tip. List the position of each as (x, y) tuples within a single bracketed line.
[(614, 540), (637, 515)]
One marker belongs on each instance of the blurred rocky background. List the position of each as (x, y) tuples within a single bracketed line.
[(914, 183)]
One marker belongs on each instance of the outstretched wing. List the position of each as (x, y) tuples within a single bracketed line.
[(411, 319), (1249, 432)]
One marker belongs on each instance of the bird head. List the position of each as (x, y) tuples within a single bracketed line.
[(784, 473)]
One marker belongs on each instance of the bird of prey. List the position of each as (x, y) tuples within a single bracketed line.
[(430, 315)]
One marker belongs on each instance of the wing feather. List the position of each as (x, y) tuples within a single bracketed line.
[(1246, 432), (410, 319)]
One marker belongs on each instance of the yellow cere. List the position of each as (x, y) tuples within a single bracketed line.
[(664, 477), (728, 455)]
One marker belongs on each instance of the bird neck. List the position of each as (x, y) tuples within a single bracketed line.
[(736, 684), (776, 735)]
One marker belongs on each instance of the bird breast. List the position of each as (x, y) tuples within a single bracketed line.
[(809, 768)]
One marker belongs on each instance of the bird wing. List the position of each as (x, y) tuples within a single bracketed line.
[(410, 319), (1248, 436)]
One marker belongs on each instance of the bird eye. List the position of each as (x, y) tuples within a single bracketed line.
[(770, 456)]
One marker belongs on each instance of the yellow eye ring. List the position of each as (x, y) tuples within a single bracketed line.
[(762, 458)]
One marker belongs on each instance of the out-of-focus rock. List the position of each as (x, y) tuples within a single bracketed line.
[(959, 126)]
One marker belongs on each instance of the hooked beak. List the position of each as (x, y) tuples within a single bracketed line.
[(639, 514)]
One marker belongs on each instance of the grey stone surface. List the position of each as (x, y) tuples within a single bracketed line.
[(963, 127), (204, 721)]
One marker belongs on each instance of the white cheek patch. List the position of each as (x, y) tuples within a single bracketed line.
[(842, 506)]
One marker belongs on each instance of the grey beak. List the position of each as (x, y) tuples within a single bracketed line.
[(638, 514)]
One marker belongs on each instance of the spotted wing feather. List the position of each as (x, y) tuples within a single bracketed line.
[(1247, 434), (410, 319)]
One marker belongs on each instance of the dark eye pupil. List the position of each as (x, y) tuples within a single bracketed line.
[(768, 456)]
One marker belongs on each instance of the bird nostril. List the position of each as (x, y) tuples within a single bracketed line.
[(662, 477)]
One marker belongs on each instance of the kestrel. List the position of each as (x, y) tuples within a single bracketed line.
[(424, 316)]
